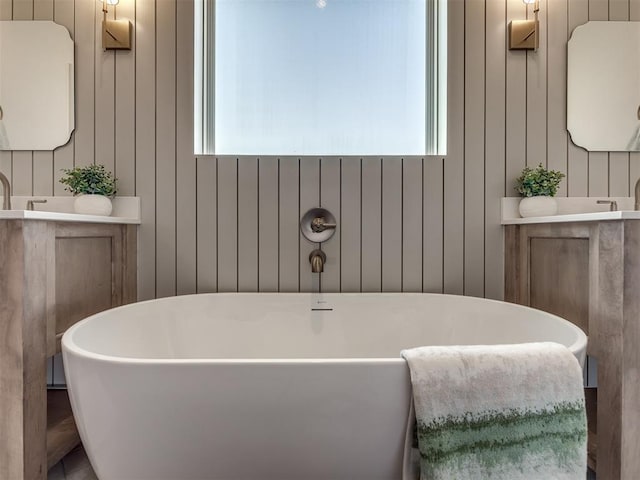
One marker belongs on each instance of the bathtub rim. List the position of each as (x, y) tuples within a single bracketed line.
[(68, 345)]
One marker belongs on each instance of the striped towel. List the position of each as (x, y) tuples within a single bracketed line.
[(499, 412)]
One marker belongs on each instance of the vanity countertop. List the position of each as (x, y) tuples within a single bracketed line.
[(126, 210), (572, 209), (62, 217), (576, 217)]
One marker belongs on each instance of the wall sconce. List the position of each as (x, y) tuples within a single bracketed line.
[(523, 34), (116, 34)]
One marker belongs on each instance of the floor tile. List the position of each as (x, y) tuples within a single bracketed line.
[(75, 466)]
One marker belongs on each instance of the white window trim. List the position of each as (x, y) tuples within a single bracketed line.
[(436, 65)]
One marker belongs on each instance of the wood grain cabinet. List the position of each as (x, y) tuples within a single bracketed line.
[(52, 274), (589, 273)]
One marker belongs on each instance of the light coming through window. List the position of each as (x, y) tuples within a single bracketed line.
[(320, 77)]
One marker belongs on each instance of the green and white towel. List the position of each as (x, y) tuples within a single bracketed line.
[(503, 412)]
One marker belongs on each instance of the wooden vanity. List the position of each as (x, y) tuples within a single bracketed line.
[(587, 270), (52, 274)]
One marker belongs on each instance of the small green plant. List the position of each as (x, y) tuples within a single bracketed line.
[(538, 181), (92, 179)]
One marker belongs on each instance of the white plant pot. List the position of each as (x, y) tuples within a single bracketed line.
[(93, 205), (541, 206)]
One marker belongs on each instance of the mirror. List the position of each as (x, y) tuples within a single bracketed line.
[(603, 86), (36, 85)]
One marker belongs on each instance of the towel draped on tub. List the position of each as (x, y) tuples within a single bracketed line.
[(499, 412)]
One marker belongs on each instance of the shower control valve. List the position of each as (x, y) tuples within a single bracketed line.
[(318, 225)]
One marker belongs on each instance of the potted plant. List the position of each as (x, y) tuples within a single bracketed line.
[(93, 187), (538, 186)]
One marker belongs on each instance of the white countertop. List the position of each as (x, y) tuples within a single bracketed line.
[(576, 217), (59, 209), (572, 209)]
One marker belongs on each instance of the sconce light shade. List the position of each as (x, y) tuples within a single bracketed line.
[(523, 34), (116, 34)]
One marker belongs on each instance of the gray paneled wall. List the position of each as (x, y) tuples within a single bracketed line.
[(410, 224)]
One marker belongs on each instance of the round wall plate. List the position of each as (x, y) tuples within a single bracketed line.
[(310, 230)]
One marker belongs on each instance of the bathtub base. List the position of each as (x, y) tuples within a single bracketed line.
[(325, 422)]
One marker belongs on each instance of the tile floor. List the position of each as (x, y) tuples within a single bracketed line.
[(75, 466)]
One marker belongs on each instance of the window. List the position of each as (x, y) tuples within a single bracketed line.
[(320, 77)]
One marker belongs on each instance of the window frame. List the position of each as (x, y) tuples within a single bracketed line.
[(435, 78)]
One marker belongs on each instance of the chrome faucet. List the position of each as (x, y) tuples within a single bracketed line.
[(6, 192), (317, 259), (637, 195)]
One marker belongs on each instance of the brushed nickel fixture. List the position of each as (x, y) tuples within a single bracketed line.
[(317, 259), (318, 225), (613, 205), (6, 192), (35, 200), (524, 34)]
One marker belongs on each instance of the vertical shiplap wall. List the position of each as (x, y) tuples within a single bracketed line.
[(405, 224)]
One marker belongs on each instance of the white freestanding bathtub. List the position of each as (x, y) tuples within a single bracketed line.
[(269, 386)]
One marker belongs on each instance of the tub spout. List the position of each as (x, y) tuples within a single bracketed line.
[(317, 258)]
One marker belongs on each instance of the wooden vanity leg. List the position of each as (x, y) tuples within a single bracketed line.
[(616, 318), (605, 330), (23, 416), (631, 353)]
